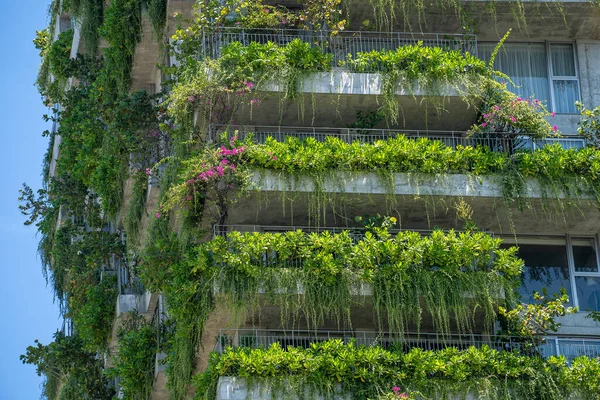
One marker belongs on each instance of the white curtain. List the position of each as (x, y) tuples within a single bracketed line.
[(525, 64), (566, 91)]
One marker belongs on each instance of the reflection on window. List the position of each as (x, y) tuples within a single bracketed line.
[(584, 255), (588, 292), (546, 266)]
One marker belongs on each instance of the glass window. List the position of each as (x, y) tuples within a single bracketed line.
[(573, 348), (588, 292), (563, 60), (525, 64), (546, 266), (528, 67), (584, 255)]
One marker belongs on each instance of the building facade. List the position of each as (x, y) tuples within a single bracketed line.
[(337, 199)]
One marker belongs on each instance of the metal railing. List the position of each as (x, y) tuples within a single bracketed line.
[(339, 46), (541, 346), (497, 142), (355, 233)]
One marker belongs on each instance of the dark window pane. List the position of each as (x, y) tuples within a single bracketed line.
[(584, 255), (546, 266), (588, 293)]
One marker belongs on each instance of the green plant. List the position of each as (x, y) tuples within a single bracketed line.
[(93, 317), (529, 320), (71, 372), (367, 120), (421, 68), (59, 55), (134, 361), (122, 29), (157, 11), (589, 124), (136, 208), (503, 112), (364, 372)]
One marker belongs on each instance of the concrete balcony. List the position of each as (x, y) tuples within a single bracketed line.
[(420, 201), (339, 93), (235, 388), (497, 142)]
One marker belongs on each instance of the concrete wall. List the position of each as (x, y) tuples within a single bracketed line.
[(232, 388), (578, 324), (133, 302)]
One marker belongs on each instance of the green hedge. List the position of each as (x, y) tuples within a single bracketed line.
[(367, 372)]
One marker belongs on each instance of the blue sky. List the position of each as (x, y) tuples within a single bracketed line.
[(28, 311)]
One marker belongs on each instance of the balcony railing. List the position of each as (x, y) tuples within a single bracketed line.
[(355, 233), (497, 142), (538, 346), (339, 45)]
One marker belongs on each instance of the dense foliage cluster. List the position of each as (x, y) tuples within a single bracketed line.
[(366, 372)]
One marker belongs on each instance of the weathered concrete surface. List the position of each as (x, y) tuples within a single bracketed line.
[(333, 98), (419, 202)]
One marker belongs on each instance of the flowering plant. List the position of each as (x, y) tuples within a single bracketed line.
[(504, 112), (209, 177)]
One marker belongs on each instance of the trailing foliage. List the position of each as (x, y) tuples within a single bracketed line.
[(71, 372), (59, 55), (134, 362), (136, 209), (259, 63), (561, 172), (157, 11), (317, 276), (90, 15), (122, 29), (428, 71), (93, 311), (99, 135), (366, 372)]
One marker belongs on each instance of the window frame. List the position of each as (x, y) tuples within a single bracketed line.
[(551, 106), (566, 240), (552, 78)]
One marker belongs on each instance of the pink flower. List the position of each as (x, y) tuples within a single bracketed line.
[(229, 186), (555, 128), (148, 171), (396, 389), (249, 85), (188, 198), (484, 125), (496, 108), (254, 101), (553, 113), (267, 10), (519, 99), (513, 119), (237, 23), (210, 173), (157, 215), (284, 22), (191, 98), (537, 102), (274, 158)]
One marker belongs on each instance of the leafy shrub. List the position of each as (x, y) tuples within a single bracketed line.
[(364, 372), (134, 362)]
